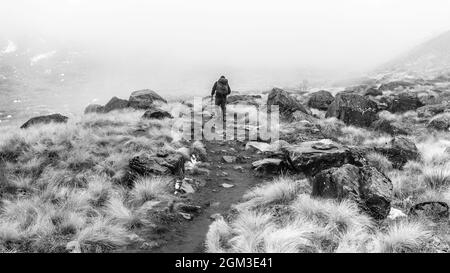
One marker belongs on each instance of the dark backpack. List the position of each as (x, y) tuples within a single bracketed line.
[(222, 88)]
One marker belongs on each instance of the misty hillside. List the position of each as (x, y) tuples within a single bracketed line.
[(429, 59), (35, 74)]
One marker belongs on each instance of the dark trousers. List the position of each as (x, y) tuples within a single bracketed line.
[(222, 102)]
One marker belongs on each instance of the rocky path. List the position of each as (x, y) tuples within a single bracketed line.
[(189, 236)]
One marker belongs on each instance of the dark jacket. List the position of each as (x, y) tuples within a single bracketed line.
[(223, 81)]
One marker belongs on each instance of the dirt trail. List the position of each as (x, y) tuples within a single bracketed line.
[(189, 236)]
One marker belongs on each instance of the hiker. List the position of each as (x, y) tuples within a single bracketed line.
[(222, 90)]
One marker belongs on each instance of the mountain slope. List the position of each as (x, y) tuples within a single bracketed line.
[(429, 59)]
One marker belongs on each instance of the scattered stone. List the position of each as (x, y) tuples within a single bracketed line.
[(399, 151), (144, 99), (55, 118), (215, 204), (320, 100), (366, 186), (258, 146), (227, 186), (269, 165), (433, 210), (156, 113), (215, 216), (353, 109), (396, 213), (323, 146), (187, 208), (116, 104), (94, 108), (73, 247), (149, 245), (229, 159), (186, 188), (186, 216), (238, 168)]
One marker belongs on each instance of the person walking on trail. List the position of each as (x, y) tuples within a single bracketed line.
[(221, 89)]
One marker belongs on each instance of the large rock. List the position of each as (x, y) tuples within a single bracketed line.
[(399, 151), (366, 186), (404, 101), (94, 108), (440, 122), (287, 103), (433, 210), (144, 99), (429, 111), (353, 109), (162, 164), (116, 104), (320, 100), (390, 127), (56, 118), (373, 91), (313, 156), (156, 113)]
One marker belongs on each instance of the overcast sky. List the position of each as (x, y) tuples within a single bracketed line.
[(343, 34)]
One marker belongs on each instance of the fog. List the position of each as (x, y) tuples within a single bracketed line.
[(179, 46)]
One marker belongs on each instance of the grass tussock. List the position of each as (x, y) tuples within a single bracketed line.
[(379, 161), (403, 237), (61, 183)]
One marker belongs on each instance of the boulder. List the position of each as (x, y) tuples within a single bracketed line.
[(156, 113), (94, 108), (314, 156), (440, 122), (320, 100), (399, 151), (370, 189), (116, 104), (372, 91), (433, 210), (55, 118), (287, 104), (162, 164), (353, 109), (144, 99), (390, 127), (404, 102), (429, 111)]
